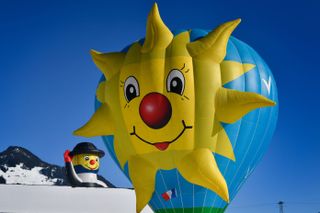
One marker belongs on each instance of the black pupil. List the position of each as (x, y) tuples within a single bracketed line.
[(131, 92), (176, 85)]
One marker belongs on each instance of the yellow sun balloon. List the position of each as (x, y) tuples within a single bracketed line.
[(163, 102)]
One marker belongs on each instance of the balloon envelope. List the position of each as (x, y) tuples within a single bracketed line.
[(250, 137)]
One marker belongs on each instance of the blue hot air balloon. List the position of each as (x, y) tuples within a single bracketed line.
[(186, 115), (250, 137)]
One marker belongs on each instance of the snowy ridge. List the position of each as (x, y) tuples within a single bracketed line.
[(19, 166), (20, 175)]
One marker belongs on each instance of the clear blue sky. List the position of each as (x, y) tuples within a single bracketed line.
[(48, 80)]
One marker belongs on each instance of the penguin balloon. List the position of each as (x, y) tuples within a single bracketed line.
[(82, 165)]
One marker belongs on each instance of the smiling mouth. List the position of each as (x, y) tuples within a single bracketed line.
[(165, 144), (94, 168)]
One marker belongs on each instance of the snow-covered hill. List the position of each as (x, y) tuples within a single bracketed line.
[(65, 199), (19, 175), (20, 166)]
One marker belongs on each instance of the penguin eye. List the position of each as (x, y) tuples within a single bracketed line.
[(175, 82), (131, 88), (86, 158)]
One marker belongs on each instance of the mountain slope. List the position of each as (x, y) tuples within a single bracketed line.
[(20, 166)]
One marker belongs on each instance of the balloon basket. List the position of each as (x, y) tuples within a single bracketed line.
[(192, 210)]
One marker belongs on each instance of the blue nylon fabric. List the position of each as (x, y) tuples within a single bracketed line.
[(196, 34), (250, 136)]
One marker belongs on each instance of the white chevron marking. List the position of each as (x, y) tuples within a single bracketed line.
[(268, 84)]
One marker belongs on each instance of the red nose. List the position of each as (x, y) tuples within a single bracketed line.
[(92, 162), (155, 110)]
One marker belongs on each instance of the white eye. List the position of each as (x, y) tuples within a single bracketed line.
[(131, 88), (175, 82), (86, 158), (97, 159)]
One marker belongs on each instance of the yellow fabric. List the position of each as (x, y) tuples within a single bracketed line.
[(101, 92), (214, 45), (231, 105), (200, 167), (142, 174), (101, 123), (231, 70), (224, 146), (157, 35), (108, 63)]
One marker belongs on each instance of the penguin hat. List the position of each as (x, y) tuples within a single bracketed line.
[(86, 155)]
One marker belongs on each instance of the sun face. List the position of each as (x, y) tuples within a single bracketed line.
[(164, 102), (157, 95)]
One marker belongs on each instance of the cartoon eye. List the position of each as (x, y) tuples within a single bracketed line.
[(97, 159), (86, 158), (131, 88), (175, 82)]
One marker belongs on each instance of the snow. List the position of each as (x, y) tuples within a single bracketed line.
[(20, 175), (64, 199)]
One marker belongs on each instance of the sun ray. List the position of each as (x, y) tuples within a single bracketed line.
[(231, 70), (231, 105), (200, 167), (121, 152), (222, 145), (212, 47), (108, 63), (100, 93), (142, 174), (177, 46), (101, 123), (158, 36)]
